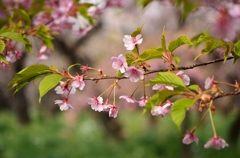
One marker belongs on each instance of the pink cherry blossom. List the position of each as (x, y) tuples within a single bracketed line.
[(216, 142), (119, 63), (161, 87), (162, 110), (113, 111), (96, 103), (129, 99), (130, 42), (209, 82), (65, 89), (43, 53), (10, 57), (134, 74), (63, 104), (189, 137), (184, 77), (143, 101), (4, 66), (78, 82), (85, 68)]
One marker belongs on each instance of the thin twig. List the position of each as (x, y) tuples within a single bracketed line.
[(162, 70)]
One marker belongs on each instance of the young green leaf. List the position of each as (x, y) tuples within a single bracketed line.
[(13, 36), (69, 67), (2, 46), (211, 45), (159, 97), (48, 83), (168, 78), (179, 42), (23, 14), (130, 58), (137, 32), (178, 110), (27, 75), (193, 87), (151, 53), (176, 59), (163, 41)]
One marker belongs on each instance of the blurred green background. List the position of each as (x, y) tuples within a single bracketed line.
[(54, 137)]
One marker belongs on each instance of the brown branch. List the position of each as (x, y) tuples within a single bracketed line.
[(226, 94), (162, 70)]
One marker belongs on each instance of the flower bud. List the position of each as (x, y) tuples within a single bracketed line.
[(206, 97)]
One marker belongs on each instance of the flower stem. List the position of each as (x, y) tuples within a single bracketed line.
[(210, 114), (204, 115)]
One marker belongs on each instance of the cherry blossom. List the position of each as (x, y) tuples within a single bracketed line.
[(162, 86), (65, 89), (209, 82), (63, 104), (119, 63), (189, 137), (143, 101), (184, 77), (43, 54), (128, 99), (78, 82), (96, 103), (134, 74), (162, 110), (10, 57), (4, 66), (216, 142), (130, 42), (113, 111)]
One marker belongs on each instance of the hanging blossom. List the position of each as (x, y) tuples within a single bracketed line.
[(162, 110), (184, 77), (129, 99), (162, 86), (209, 82), (130, 42), (134, 74), (112, 109), (78, 82), (119, 63), (65, 89), (63, 104), (216, 142), (96, 103), (189, 137), (43, 53), (143, 101)]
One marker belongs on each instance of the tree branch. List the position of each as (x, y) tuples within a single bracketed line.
[(162, 70)]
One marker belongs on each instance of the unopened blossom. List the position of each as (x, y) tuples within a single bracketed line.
[(119, 63), (18, 54), (162, 110), (63, 104), (96, 103), (216, 142), (189, 137), (143, 101), (113, 111), (78, 82), (162, 86), (65, 89), (4, 66), (134, 74), (85, 68), (130, 42), (184, 77), (209, 82), (129, 99)]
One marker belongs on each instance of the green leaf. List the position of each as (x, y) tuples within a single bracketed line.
[(3, 59), (144, 3), (193, 87), (151, 53), (130, 58), (13, 36), (46, 39), (176, 59), (179, 42), (203, 38), (27, 75), (69, 67), (159, 97), (178, 110), (228, 49), (28, 45), (2, 46), (48, 83), (137, 32), (163, 41), (23, 14), (211, 45), (168, 78), (237, 48), (188, 7)]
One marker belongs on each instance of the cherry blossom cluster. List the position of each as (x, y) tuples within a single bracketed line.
[(11, 55)]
